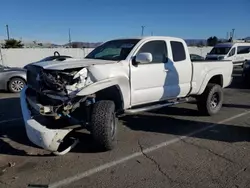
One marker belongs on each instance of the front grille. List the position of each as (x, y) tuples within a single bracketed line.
[(32, 73)]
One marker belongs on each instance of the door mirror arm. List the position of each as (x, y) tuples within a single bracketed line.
[(134, 61)]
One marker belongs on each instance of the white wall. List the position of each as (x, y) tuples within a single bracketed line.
[(21, 57), (200, 51)]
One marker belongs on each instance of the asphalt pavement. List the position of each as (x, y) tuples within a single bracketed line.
[(170, 147)]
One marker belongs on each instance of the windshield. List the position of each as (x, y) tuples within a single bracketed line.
[(220, 50), (115, 50)]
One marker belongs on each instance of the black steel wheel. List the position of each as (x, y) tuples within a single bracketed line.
[(210, 102)]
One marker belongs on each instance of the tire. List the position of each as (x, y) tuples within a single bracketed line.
[(210, 102), (15, 85), (104, 124)]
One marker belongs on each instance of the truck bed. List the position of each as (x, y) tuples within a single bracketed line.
[(206, 69)]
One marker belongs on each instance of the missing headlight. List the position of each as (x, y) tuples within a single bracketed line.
[(58, 80)]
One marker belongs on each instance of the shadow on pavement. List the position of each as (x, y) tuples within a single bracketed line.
[(179, 111), (236, 106), (156, 123), (9, 108), (238, 82), (11, 128), (4, 91), (16, 134)]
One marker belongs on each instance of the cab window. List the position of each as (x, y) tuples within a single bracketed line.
[(178, 51), (157, 48)]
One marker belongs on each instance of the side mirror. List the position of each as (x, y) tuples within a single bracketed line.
[(144, 58)]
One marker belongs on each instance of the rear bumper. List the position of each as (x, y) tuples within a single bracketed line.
[(40, 135)]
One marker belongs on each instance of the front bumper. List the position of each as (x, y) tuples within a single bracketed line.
[(40, 135)]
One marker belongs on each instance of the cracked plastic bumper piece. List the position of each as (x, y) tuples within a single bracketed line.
[(40, 135)]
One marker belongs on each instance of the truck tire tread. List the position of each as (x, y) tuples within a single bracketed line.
[(101, 118), (203, 101)]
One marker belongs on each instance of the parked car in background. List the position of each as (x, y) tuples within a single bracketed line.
[(12, 79), (246, 72), (238, 53), (195, 57)]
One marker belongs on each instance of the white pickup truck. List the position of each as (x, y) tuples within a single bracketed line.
[(122, 76)]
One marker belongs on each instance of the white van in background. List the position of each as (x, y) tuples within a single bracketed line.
[(238, 53)]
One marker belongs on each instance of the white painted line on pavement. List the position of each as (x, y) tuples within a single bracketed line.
[(92, 171)]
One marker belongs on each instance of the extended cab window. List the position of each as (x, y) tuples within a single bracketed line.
[(158, 49), (178, 51)]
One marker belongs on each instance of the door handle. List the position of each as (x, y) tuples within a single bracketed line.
[(165, 70)]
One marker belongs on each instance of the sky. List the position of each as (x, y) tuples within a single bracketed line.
[(102, 20)]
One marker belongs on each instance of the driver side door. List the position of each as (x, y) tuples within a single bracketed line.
[(148, 80)]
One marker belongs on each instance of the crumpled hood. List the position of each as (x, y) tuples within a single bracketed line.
[(61, 65)]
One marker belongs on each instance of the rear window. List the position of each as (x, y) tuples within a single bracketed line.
[(243, 49), (178, 51)]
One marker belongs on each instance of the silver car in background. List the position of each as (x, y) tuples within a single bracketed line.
[(12, 79)]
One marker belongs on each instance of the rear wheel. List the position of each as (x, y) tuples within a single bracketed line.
[(210, 102), (15, 85), (104, 124)]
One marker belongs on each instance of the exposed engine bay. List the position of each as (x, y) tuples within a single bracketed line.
[(54, 91), (58, 81)]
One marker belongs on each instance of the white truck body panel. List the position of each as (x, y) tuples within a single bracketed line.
[(206, 70)]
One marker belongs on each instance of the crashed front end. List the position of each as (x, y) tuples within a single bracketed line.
[(51, 94)]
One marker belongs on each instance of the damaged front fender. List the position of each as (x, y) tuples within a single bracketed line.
[(121, 82), (40, 135)]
